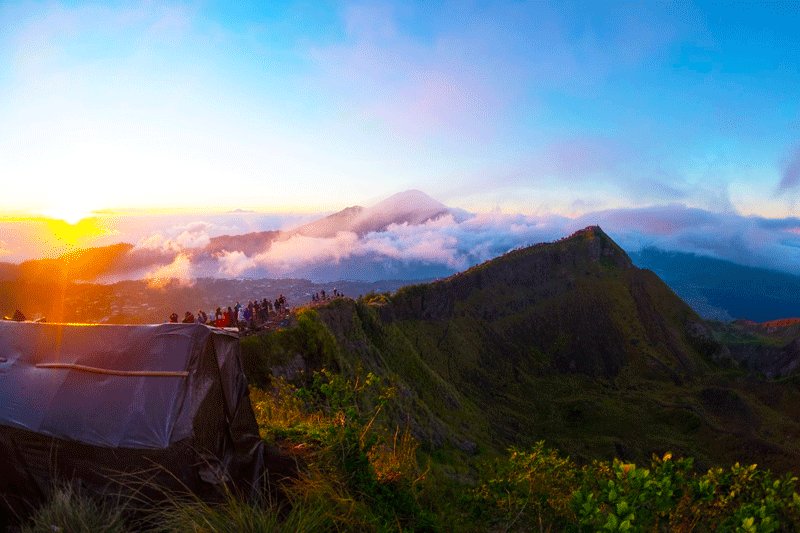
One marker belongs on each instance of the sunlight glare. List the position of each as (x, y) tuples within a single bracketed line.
[(80, 233), (72, 215)]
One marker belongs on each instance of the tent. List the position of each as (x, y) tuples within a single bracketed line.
[(93, 403)]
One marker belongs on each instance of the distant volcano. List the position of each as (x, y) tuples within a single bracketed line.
[(325, 249), (411, 207)]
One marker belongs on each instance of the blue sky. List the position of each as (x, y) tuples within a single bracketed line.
[(536, 108)]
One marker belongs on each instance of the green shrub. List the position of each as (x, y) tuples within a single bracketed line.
[(525, 491), (540, 490)]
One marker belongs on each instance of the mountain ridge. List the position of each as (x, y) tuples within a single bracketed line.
[(393, 240), (565, 341)]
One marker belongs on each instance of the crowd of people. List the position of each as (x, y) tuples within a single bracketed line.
[(253, 315), (322, 296)]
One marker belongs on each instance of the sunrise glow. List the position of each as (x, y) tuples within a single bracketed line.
[(79, 233), (175, 123), (562, 108)]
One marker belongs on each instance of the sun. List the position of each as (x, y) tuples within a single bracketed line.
[(80, 233), (68, 214), (74, 224), (72, 203)]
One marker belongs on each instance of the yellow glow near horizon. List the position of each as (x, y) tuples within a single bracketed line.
[(78, 233)]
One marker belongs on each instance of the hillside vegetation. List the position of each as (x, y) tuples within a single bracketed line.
[(567, 342), (557, 387)]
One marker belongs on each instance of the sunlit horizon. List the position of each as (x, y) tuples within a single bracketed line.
[(561, 108), (165, 125)]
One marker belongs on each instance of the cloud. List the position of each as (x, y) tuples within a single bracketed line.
[(455, 80), (432, 242), (747, 240), (178, 238), (458, 73), (179, 271), (791, 174), (286, 256), (232, 264), (445, 244), (453, 243)]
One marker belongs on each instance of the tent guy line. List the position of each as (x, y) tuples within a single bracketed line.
[(96, 370)]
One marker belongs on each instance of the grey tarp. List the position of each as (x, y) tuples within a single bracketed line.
[(87, 401)]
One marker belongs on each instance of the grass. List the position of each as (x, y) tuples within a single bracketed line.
[(354, 474), (69, 510), (234, 515)]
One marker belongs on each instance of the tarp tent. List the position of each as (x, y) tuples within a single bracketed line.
[(90, 402)]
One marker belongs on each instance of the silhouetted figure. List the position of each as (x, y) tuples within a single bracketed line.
[(188, 318), (173, 318), (18, 316)]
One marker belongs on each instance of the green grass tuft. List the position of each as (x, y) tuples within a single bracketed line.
[(69, 510)]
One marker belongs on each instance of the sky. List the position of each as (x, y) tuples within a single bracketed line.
[(534, 109), (309, 106)]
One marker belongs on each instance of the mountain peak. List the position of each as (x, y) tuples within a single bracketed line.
[(589, 233), (408, 207), (600, 246), (578, 299), (412, 200)]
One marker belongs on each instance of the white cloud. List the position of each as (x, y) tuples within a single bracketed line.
[(449, 244), (179, 271), (748, 240), (284, 256), (446, 242), (178, 238), (232, 264)]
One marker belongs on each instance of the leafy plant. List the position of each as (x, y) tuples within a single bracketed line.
[(528, 490)]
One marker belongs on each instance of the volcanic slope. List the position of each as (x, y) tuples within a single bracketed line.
[(570, 343)]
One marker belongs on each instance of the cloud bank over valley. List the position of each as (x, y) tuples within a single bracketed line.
[(412, 236)]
